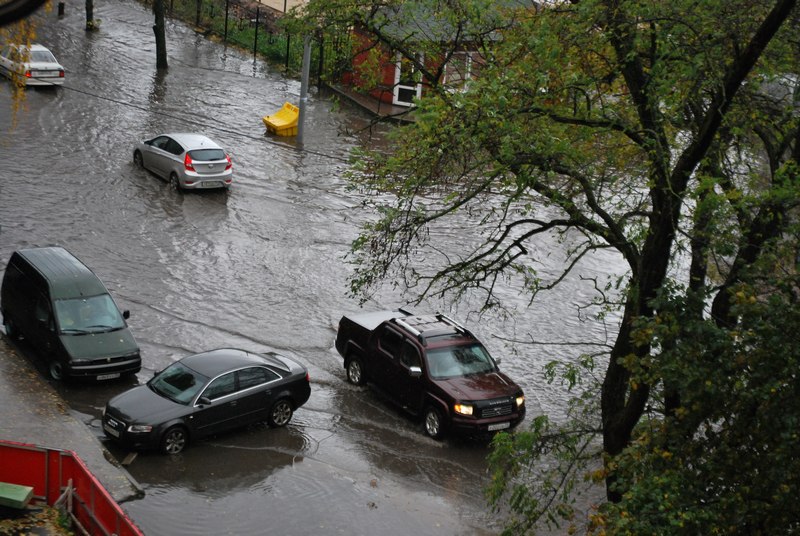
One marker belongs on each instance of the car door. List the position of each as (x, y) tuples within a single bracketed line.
[(256, 393), (5, 60), (45, 336), (221, 411), (384, 367), (155, 157), (407, 385), (173, 159)]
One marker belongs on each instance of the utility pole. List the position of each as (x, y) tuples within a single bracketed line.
[(304, 87)]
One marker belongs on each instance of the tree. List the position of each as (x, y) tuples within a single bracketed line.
[(92, 24), (19, 28), (665, 131), (159, 29)]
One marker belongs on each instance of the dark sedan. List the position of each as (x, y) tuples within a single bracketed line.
[(205, 394)]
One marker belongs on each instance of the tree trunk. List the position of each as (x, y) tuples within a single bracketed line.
[(89, 15), (161, 39)]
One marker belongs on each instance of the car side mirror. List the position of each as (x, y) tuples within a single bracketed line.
[(126, 314), (204, 401), (415, 372), (497, 361)]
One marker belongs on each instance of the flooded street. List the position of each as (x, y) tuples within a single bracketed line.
[(259, 268)]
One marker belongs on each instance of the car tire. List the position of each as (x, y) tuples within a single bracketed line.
[(280, 414), (433, 423), (137, 159), (174, 183), (355, 371), (56, 370), (11, 331), (174, 440)]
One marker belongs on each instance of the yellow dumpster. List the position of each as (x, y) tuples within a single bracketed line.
[(284, 121)]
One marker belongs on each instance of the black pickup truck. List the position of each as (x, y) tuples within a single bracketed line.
[(433, 366)]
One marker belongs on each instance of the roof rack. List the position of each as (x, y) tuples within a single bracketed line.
[(453, 323), (411, 329)]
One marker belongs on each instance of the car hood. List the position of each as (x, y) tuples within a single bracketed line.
[(480, 386), (98, 345), (141, 405)]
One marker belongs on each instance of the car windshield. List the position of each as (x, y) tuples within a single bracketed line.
[(453, 361), (88, 315), (207, 155), (178, 383)]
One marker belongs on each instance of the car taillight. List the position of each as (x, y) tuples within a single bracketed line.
[(27, 74), (61, 74), (308, 378), (187, 162), (229, 165)]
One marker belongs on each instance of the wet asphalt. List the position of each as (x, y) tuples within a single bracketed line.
[(34, 413)]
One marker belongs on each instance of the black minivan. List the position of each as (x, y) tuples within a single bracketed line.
[(64, 311)]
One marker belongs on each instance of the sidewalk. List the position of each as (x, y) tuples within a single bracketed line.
[(282, 5), (381, 110), (33, 412)]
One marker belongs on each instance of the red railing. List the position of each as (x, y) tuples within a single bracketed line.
[(50, 471)]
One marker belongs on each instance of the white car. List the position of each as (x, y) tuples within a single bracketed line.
[(31, 66), (186, 161)]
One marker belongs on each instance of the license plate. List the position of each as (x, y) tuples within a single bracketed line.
[(110, 430), (499, 426), (108, 376), (211, 184), (46, 73)]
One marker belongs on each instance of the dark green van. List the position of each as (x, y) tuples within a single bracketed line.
[(64, 311)]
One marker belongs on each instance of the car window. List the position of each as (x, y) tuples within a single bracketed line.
[(43, 56), (159, 142), (453, 361), (224, 385), (389, 341), (42, 308), (173, 147), (207, 155), (409, 356), (250, 377)]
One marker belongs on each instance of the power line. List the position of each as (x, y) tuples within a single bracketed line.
[(202, 124)]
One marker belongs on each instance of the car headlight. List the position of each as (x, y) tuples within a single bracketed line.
[(140, 428), (520, 400), (463, 409)]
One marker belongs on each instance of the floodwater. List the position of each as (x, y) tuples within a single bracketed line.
[(260, 268)]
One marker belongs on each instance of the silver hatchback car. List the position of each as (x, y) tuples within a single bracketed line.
[(186, 161)]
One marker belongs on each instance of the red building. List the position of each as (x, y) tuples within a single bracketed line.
[(394, 78)]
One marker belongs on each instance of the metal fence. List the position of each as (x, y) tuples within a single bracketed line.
[(254, 27)]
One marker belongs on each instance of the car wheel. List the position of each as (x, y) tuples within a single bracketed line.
[(434, 424), (137, 159), (174, 183), (280, 414), (174, 441), (355, 371), (57, 370), (11, 331)]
